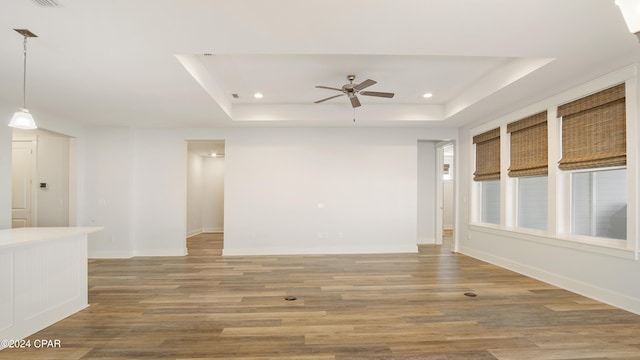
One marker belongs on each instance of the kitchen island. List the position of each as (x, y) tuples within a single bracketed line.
[(43, 277)]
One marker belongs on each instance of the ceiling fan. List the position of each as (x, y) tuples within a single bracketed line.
[(351, 90)]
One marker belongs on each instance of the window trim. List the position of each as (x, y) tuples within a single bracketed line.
[(576, 242)]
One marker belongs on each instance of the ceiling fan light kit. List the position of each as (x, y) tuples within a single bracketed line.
[(352, 91)]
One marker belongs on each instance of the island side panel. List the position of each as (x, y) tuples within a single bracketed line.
[(50, 283), (6, 290)]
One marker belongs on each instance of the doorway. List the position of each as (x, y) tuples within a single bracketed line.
[(445, 198), (205, 188), (43, 170)]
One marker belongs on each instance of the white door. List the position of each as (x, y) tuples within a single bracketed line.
[(22, 184)]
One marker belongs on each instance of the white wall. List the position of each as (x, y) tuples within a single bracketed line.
[(296, 191), (213, 194), (108, 191), (426, 193), (448, 204), (134, 183), (159, 204), (195, 171), (52, 202), (5, 174)]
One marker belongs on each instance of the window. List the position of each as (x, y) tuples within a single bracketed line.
[(532, 202), (594, 137), (599, 203), (566, 171), (488, 174), (490, 202), (447, 173), (529, 164)]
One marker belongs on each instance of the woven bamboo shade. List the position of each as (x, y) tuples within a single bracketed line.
[(487, 155), (594, 131), (529, 146)]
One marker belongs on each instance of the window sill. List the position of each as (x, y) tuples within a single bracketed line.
[(601, 246)]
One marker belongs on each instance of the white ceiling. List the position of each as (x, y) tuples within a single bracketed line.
[(143, 62)]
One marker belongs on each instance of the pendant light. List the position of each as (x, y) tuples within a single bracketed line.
[(23, 119)]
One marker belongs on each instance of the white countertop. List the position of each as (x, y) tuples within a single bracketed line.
[(29, 235)]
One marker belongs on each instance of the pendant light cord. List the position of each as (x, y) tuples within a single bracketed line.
[(24, 76)]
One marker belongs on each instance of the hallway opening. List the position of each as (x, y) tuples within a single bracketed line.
[(205, 187)]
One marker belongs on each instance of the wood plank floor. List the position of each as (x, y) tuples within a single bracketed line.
[(392, 306)]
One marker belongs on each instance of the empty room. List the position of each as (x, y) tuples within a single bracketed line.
[(330, 180)]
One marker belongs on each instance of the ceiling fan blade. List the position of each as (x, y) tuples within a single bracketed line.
[(377, 93), (365, 84), (329, 98), (326, 87), (354, 101)]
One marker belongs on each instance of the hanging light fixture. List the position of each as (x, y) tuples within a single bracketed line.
[(23, 119)]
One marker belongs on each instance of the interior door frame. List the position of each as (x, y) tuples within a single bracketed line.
[(440, 191)]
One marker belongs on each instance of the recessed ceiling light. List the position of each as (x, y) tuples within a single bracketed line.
[(427, 95), (258, 95)]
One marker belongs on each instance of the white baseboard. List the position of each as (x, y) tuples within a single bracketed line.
[(211, 230), (109, 254), (127, 255), (195, 232), (597, 293), (426, 241), (318, 251), (162, 252)]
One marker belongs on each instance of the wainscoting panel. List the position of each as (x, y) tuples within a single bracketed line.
[(49, 283), (6, 295)]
